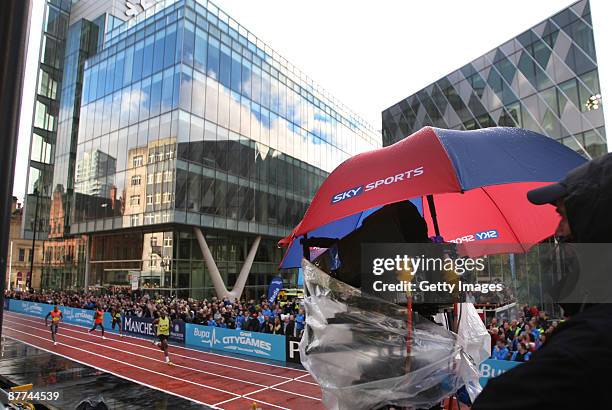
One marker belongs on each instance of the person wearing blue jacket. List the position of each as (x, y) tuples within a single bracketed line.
[(522, 355), (500, 351)]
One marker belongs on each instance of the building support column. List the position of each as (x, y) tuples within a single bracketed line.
[(87, 262), (215, 275)]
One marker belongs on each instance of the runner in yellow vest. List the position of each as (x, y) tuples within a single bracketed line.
[(162, 329)]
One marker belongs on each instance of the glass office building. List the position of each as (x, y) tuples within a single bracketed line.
[(178, 118), (546, 80)]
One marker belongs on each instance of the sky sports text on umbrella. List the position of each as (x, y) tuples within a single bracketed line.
[(392, 179)]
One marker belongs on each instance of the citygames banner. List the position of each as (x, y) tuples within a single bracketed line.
[(262, 345), (143, 326)]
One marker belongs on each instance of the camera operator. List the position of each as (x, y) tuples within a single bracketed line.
[(572, 370)]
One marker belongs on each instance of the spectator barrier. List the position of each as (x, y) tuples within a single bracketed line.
[(262, 345), (491, 368)]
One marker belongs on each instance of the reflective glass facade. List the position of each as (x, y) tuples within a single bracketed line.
[(545, 79), (198, 129), (178, 118), (39, 185)]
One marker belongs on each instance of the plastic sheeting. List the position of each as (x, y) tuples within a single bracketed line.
[(355, 346), (475, 340)]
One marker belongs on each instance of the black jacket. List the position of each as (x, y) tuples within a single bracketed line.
[(572, 370)]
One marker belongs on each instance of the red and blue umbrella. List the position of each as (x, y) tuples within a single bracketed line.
[(469, 185)]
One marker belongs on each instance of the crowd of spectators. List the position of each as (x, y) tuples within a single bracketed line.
[(517, 339), (283, 318)]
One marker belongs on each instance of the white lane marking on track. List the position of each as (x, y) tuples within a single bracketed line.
[(273, 387), (127, 378), (175, 364), (139, 355), (127, 364), (297, 379), (110, 372), (185, 348)]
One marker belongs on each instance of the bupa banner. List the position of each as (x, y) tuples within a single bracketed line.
[(262, 345), (276, 284), (492, 368), (143, 326), (293, 349)]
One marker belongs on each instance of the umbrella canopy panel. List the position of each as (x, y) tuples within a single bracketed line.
[(436, 161), (478, 180)]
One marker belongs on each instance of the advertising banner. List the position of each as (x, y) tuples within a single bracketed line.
[(492, 368), (276, 284), (29, 308), (262, 345), (143, 326), (293, 349), (74, 316), (134, 279), (177, 331)]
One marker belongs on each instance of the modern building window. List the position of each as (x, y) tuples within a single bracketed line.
[(136, 180), (149, 199), (137, 161), (150, 178), (135, 200)]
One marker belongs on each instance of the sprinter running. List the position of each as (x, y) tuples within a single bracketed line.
[(56, 316), (98, 318), (162, 329), (116, 314)]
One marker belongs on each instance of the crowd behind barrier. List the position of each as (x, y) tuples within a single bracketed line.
[(256, 328), (517, 339), (247, 327)]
